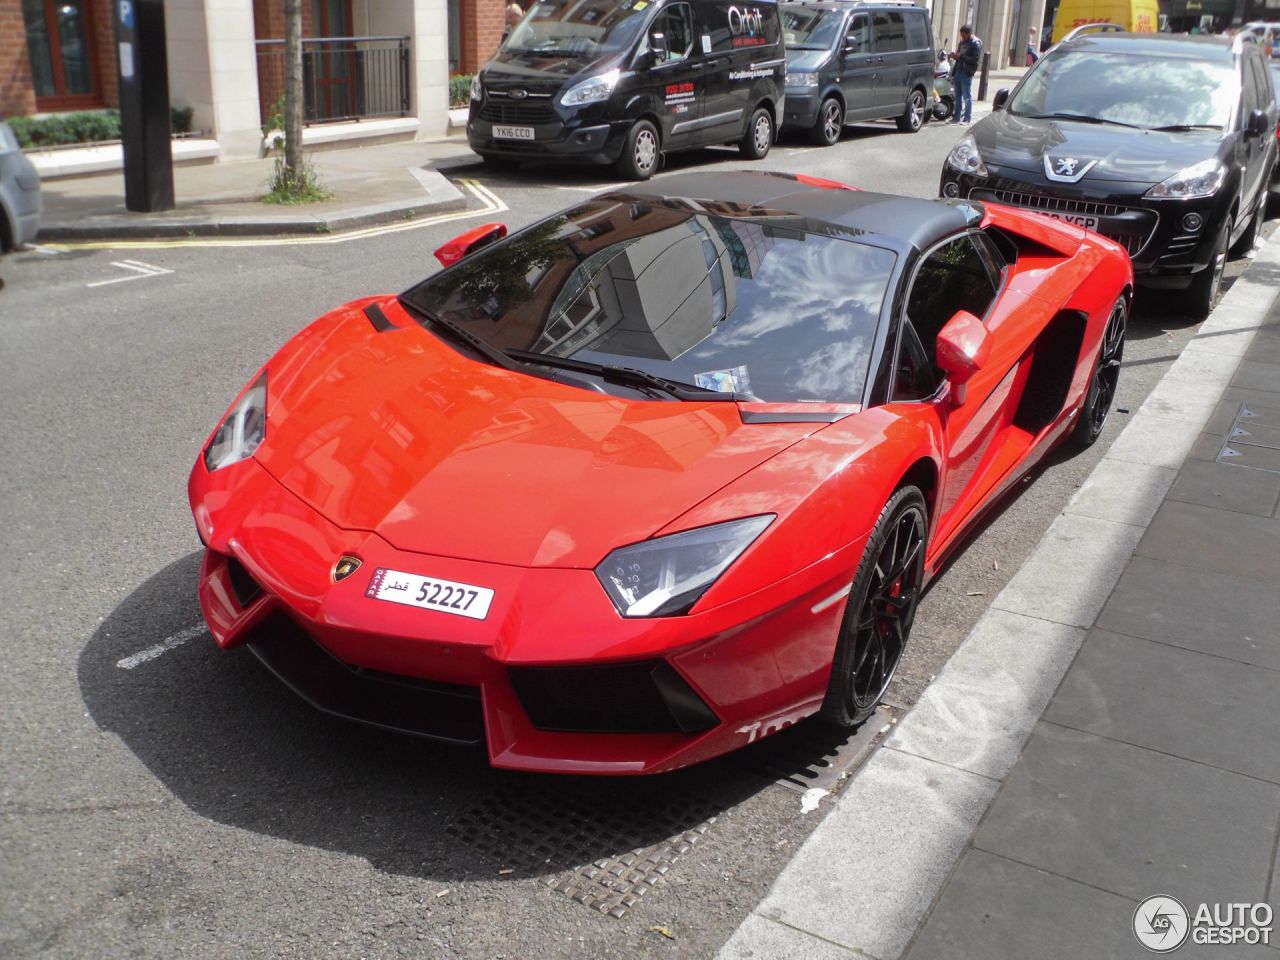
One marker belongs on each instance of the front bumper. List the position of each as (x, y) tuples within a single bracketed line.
[(20, 187), (753, 666), (800, 110), (1164, 252), (583, 135)]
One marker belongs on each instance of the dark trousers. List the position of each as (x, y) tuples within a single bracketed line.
[(964, 95)]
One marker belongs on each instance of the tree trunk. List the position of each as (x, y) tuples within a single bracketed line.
[(293, 95)]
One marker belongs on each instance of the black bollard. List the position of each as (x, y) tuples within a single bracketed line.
[(986, 71)]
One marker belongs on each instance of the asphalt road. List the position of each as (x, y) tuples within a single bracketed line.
[(183, 803)]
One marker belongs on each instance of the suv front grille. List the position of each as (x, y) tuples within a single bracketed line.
[(1133, 239), (516, 111)]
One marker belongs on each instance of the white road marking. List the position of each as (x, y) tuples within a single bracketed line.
[(139, 269), (831, 600), (164, 646), (600, 188)]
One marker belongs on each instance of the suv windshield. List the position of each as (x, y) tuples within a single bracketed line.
[(806, 28), (578, 28), (1143, 91), (767, 306)]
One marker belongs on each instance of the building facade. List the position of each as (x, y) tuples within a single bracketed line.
[(363, 60)]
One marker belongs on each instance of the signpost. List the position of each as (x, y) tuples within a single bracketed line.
[(143, 72)]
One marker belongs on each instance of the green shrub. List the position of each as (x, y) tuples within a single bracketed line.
[(460, 90), (86, 126), (180, 119)]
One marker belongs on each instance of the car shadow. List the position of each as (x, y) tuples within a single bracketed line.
[(235, 746)]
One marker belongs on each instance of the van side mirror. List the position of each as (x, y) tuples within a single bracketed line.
[(963, 347), (468, 243), (1000, 99), (1257, 124), (658, 48)]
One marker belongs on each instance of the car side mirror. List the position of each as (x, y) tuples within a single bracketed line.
[(1257, 124), (658, 49), (468, 243), (1000, 99), (963, 347)]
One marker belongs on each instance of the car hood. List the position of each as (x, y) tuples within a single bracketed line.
[(801, 61), (1121, 153), (398, 433), (542, 73)]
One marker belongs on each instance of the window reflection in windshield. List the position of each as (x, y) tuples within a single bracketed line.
[(583, 28), (1127, 88), (766, 305), (806, 28)]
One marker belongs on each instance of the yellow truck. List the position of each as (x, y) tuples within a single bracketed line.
[(1135, 16)]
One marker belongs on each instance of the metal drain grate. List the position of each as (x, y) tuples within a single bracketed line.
[(811, 754), (1253, 441), (601, 844)]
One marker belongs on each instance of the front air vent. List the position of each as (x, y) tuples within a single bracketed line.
[(243, 585)]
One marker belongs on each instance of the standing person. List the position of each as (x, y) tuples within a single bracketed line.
[(967, 56), (1033, 49)]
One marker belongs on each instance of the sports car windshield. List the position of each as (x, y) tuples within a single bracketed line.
[(1125, 88), (806, 28), (578, 28), (766, 306)]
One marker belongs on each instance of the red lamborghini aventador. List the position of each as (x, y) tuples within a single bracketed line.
[(656, 476)]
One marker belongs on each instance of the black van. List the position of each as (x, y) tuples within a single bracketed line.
[(603, 81), (849, 61)]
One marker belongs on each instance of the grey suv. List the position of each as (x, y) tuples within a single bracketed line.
[(19, 193)]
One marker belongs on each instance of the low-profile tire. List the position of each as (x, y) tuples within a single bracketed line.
[(1106, 377), (1204, 288), (943, 107), (757, 140), (827, 128), (878, 614), (641, 152), (1249, 239), (912, 118)]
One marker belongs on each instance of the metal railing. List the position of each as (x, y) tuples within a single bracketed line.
[(343, 78)]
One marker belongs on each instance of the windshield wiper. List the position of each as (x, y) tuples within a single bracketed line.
[(496, 356), (1078, 117), (1179, 127), (628, 376)]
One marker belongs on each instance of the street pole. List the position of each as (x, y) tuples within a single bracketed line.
[(293, 89), (986, 71), (143, 73)]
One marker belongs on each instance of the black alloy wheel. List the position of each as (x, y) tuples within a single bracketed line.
[(943, 108), (878, 615), (827, 128), (1203, 292), (1106, 377), (912, 118)]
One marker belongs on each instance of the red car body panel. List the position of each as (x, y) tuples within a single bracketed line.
[(393, 447)]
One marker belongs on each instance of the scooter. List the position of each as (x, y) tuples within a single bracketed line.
[(944, 94)]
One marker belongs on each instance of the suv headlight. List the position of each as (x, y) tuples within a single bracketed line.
[(1202, 179), (591, 90), (243, 429), (665, 576), (801, 79), (965, 158), (477, 91)]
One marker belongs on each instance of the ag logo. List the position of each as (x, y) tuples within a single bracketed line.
[(1161, 924), (745, 21)]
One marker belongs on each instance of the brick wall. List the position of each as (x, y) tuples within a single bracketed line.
[(105, 51), (16, 95), (482, 26)]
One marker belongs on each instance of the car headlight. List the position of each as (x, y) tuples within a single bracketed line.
[(802, 79), (965, 158), (243, 430), (592, 90), (477, 91), (1202, 179), (665, 576)]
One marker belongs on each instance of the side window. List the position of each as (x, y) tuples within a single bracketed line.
[(891, 32), (675, 26), (917, 31), (913, 377), (738, 25), (858, 39), (954, 277), (1262, 80)]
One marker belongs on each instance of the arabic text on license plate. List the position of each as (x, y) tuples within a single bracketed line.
[(1080, 220), (514, 133), (430, 593)]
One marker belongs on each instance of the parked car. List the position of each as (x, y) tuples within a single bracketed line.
[(623, 83), (1164, 143), (655, 477), (19, 193), (851, 61)]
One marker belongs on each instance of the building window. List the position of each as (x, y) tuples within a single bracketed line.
[(60, 45)]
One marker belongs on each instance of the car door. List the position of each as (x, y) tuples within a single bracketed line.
[(1257, 149), (893, 68), (727, 35), (858, 69), (956, 275), (676, 71)]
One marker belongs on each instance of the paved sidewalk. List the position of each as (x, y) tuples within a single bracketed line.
[(1017, 813), (374, 184)]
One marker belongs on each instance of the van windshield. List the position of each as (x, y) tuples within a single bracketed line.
[(578, 28), (1129, 89), (806, 28)]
